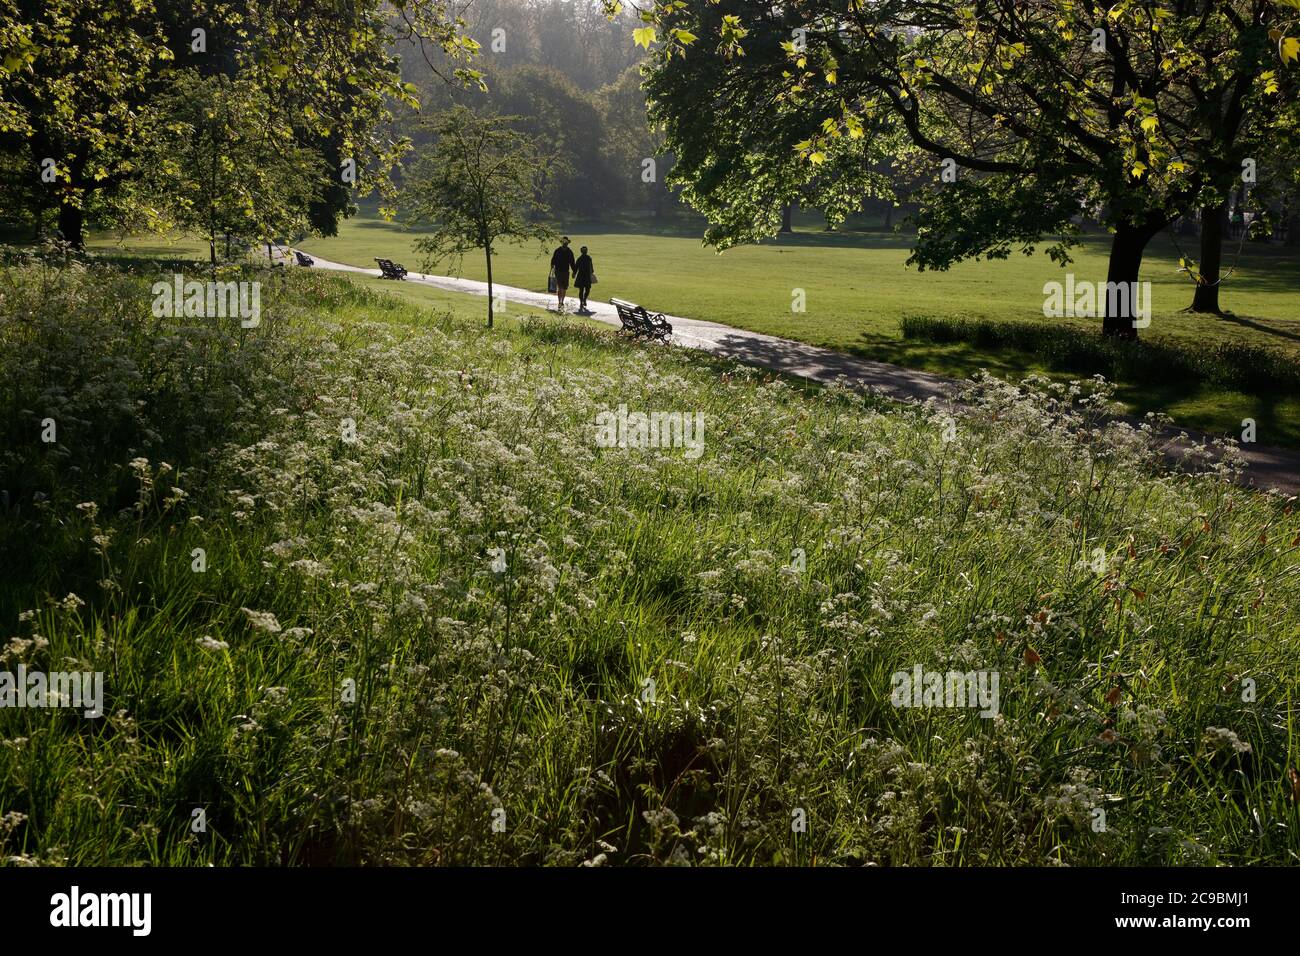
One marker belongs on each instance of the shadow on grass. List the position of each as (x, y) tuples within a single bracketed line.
[(1258, 326), (951, 359), (1192, 403)]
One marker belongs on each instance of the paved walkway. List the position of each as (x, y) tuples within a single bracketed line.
[(1275, 468)]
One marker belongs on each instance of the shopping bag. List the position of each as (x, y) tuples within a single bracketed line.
[(550, 281), (594, 280)]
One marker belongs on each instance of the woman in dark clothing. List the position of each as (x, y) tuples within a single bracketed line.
[(582, 272), (562, 263)]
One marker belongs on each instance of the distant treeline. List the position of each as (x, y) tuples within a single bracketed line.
[(572, 78)]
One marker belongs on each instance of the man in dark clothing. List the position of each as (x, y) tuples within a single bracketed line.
[(582, 273), (562, 263)]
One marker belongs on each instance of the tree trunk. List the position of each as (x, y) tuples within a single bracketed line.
[(1206, 297), (787, 218), (71, 223), (1126, 250), (488, 250), (71, 219), (889, 216)]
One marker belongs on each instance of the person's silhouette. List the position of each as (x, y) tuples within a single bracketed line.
[(583, 270), (562, 263)]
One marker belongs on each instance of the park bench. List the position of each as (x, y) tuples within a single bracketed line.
[(641, 323), (303, 258), (390, 270)]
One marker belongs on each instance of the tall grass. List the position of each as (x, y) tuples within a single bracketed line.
[(473, 636)]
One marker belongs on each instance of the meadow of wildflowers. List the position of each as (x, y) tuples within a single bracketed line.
[(365, 587)]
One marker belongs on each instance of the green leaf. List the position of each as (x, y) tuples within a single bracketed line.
[(644, 36)]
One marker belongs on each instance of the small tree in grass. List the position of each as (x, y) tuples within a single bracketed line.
[(477, 188)]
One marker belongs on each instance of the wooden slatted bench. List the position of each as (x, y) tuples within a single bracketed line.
[(641, 323), (390, 270)]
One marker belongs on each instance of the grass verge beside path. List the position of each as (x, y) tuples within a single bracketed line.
[(858, 292)]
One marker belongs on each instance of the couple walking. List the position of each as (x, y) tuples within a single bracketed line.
[(584, 274)]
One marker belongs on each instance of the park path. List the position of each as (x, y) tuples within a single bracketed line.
[(1272, 468)]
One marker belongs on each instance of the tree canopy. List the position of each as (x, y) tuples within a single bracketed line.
[(82, 80), (229, 162), (1039, 113)]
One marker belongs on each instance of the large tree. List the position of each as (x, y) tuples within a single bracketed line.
[(75, 94), (1238, 101), (228, 162), (627, 141), (1039, 112), (81, 80), (564, 125)]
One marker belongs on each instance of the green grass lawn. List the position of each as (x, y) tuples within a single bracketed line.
[(858, 288), (441, 621)]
